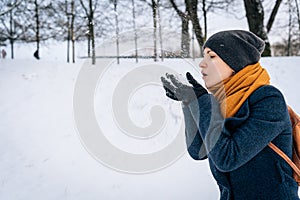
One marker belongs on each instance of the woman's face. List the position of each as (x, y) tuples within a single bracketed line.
[(213, 68)]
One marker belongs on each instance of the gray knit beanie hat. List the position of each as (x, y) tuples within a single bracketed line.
[(237, 48)]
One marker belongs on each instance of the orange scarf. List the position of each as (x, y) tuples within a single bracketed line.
[(233, 91)]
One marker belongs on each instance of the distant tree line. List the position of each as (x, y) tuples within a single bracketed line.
[(74, 20)]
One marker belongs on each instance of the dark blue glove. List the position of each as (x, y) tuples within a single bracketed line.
[(179, 91)]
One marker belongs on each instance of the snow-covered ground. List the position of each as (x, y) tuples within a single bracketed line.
[(43, 154)]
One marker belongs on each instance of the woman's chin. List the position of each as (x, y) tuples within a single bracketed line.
[(208, 83)]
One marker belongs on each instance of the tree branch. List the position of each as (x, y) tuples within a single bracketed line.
[(149, 4), (17, 3), (84, 8), (179, 12), (273, 15)]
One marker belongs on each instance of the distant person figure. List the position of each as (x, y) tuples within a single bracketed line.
[(36, 54), (3, 52)]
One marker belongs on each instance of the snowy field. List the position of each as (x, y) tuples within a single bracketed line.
[(43, 155)]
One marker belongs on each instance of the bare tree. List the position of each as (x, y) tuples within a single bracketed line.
[(89, 12), (29, 22), (185, 36), (160, 30), (115, 2), (298, 15), (192, 7), (70, 26), (9, 30), (289, 45), (37, 24), (273, 15), (37, 21), (7, 7), (72, 29), (214, 6), (154, 16), (135, 31), (153, 6), (190, 14), (205, 18), (255, 18)]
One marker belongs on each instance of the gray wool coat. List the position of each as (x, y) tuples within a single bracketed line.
[(244, 167)]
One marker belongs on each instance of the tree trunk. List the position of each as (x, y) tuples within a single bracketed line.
[(68, 43), (255, 18), (11, 37), (298, 16), (69, 35), (37, 29), (12, 48), (89, 41), (135, 31), (11, 7), (192, 9), (160, 31), (185, 36), (91, 25), (72, 30), (155, 29), (273, 15), (92, 39), (90, 35), (117, 31), (193, 45), (289, 45), (205, 18)]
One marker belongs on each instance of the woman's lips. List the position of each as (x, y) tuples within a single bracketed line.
[(203, 74)]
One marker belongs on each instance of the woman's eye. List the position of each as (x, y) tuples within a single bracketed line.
[(212, 56)]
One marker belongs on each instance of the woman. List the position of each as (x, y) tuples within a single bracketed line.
[(233, 125)]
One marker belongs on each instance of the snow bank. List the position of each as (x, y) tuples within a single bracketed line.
[(42, 155)]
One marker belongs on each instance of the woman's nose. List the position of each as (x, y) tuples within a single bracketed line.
[(202, 64)]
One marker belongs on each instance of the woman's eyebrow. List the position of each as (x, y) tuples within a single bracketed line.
[(207, 52)]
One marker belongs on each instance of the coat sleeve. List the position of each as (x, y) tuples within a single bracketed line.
[(194, 142), (233, 141)]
